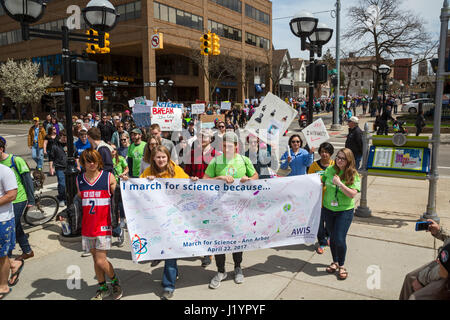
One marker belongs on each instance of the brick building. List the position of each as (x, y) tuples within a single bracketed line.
[(244, 27)]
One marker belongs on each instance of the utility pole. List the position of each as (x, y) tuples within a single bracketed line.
[(336, 126)]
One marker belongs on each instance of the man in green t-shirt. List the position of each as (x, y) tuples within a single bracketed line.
[(135, 152), (227, 167), (25, 196)]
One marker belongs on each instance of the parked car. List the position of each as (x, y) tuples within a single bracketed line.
[(413, 105)]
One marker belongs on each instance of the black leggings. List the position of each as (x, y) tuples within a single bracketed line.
[(220, 261)]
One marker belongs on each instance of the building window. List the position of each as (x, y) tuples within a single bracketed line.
[(257, 14), (235, 5), (177, 16), (129, 11), (258, 41), (225, 31)]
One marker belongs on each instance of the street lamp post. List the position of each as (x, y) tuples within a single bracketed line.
[(99, 15), (384, 71), (163, 85), (305, 26)]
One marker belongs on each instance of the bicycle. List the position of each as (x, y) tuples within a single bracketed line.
[(45, 207)]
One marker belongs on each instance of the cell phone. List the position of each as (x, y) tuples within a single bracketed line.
[(422, 225)]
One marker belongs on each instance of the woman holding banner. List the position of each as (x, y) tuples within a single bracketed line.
[(342, 183), (227, 167), (161, 166), (296, 158), (262, 157)]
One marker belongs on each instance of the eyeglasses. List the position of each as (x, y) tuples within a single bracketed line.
[(295, 141), (341, 158), (221, 126)]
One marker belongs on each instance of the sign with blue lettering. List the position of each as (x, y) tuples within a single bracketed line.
[(399, 159)]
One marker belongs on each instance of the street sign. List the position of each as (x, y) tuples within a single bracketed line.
[(98, 95), (157, 41)]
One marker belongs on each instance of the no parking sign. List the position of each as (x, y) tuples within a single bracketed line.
[(157, 41)]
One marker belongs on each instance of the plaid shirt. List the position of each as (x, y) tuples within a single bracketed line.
[(198, 164)]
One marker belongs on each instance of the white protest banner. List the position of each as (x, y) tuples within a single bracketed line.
[(316, 133), (225, 105), (198, 108), (169, 119), (169, 105), (271, 119), (131, 103), (176, 218)]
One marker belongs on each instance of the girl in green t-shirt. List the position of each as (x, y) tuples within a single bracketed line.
[(342, 184)]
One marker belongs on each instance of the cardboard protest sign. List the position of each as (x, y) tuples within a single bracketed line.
[(208, 120), (198, 108), (169, 119), (316, 133), (225, 105), (271, 119)]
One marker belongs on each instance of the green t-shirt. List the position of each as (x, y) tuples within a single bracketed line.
[(237, 167), (136, 152), (330, 196), (119, 166), (22, 167)]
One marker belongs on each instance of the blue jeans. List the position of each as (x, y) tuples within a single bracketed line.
[(358, 161), (338, 224), (322, 233), (170, 274), (38, 155), (61, 184), (21, 237)]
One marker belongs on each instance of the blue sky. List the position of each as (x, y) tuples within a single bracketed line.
[(283, 38)]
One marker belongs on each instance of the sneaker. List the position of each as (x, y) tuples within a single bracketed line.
[(206, 261), (86, 254), (238, 275), (215, 282), (116, 291), (167, 295), (62, 204), (101, 294), (121, 238), (155, 263)]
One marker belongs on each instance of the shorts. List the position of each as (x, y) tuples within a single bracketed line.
[(99, 243), (7, 237)]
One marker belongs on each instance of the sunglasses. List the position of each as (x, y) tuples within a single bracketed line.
[(123, 139), (221, 126), (295, 141)]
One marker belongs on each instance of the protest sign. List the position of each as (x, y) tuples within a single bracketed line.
[(169, 105), (169, 119), (207, 120), (271, 119), (176, 218), (225, 105), (140, 100), (141, 113), (198, 108), (316, 133)]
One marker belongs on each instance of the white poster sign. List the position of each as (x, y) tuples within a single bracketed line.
[(225, 105), (198, 108), (316, 133), (271, 119), (176, 218), (169, 119)]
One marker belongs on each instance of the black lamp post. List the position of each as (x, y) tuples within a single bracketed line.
[(99, 15), (164, 86), (384, 70), (304, 25)]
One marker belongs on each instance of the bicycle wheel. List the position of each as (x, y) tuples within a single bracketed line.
[(43, 211)]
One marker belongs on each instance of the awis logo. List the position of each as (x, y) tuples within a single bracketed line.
[(300, 231)]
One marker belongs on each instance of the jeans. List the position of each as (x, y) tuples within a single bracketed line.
[(358, 161), (322, 233), (61, 184), (338, 224), (38, 155), (21, 237), (170, 274)]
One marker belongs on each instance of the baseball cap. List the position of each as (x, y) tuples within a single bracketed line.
[(444, 257), (35, 119), (127, 111), (79, 121), (83, 128), (353, 119), (136, 130), (116, 118), (230, 137)]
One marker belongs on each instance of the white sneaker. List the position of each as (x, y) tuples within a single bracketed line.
[(86, 254), (121, 238), (238, 275), (215, 282)]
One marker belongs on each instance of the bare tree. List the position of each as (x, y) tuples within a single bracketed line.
[(387, 31)]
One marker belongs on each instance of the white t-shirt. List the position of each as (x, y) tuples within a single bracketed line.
[(7, 182)]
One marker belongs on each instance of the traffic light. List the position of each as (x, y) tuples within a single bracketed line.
[(206, 44), (106, 43), (90, 47), (215, 44)]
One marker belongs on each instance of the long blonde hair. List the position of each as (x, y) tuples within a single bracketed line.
[(348, 176), (155, 170), (148, 150)]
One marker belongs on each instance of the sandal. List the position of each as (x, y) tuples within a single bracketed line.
[(320, 249), (342, 274), (16, 274), (4, 294), (332, 267)]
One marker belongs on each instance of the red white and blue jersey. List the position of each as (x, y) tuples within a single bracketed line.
[(96, 202)]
